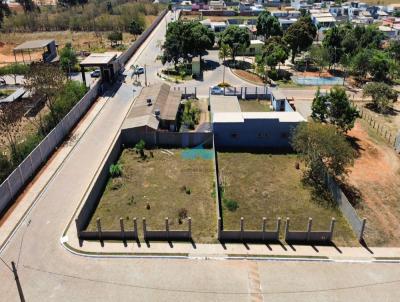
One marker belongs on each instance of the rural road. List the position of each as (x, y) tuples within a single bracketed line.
[(50, 273)]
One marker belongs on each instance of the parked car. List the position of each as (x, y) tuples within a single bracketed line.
[(95, 74), (216, 90), (2, 82), (138, 70)]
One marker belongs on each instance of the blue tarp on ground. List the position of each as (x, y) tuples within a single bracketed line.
[(197, 152)]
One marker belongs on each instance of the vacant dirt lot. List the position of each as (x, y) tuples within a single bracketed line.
[(269, 185), (376, 174), (163, 182)]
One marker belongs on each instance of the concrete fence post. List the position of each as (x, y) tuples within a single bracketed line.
[(167, 226), (195, 92), (185, 91), (98, 223), (121, 224), (241, 227), (144, 228), (332, 228), (245, 93), (264, 224), (135, 231), (309, 226), (190, 226), (361, 236), (219, 228), (287, 228), (241, 92), (256, 91), (278, 227)]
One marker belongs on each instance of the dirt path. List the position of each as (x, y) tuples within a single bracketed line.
[(376, 174)]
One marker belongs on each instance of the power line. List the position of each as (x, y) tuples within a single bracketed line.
[(194, 291)]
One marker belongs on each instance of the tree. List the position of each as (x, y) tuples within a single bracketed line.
[(224, 52), (300, 35), (140, 148), (268, 25), (394, 49), (201, 38), (10, 117), (332, 43), (379, 65), (236, 38), (115, 37), (45, 82), (334, 108), (275, 52), (14, 70), (320, 55), (360, 63), (382, 96), (135, 28), (323, 150), (68, 58), (4, 10)]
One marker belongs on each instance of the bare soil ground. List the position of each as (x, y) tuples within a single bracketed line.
[(160, 181), (248, 76), (269, 185), (376, 174), (390, 120)]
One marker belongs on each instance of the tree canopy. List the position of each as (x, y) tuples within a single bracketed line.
[(323, 149), (383, 96), (236, 38), (334, 108), (4, 10), (68, 58), (135, 28), (275, 52), (268, 25), (300, 35)]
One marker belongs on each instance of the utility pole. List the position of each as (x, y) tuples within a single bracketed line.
[(15, 272)]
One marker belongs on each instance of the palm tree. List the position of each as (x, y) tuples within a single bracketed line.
[(224, 51)]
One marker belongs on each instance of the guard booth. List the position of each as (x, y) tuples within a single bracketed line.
[(107, 62), (31, 48)]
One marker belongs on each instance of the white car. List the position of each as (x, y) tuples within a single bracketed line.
[(95, 74), (138, 70), (216, 90)]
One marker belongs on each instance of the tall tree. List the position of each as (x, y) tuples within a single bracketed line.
[(335, 108), (27, 5), (135, 28), (300, 35), (201, 38), (323, 149), (275, 52), (332, 42), (45, 82), (383, 96), (268, 25), (236, 38), (4, 10), (224, 52), (320, 55), (394, 49), (68, 58)]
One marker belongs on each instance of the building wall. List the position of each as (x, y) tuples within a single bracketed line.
[(253, 133)]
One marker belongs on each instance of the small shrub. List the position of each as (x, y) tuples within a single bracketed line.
[(231, 205), (115, 170), (182, 213)]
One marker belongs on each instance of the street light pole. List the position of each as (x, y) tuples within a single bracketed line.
[(15, 272), (145, 75)]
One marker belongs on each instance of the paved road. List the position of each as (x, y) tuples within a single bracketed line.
[(49, 273)]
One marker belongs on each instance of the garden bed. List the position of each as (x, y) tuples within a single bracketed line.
[(269, 185), (255, 105), (169, 183)]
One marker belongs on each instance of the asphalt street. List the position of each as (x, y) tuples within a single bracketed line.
[(48, 272)]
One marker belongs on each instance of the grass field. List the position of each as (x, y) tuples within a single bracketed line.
[(269, 185), (162, 182), (255, 106)]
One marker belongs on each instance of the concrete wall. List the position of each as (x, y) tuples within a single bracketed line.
[(309, 235), (253, 133), (16, 181), (124, 233), (123, 59), (243, 235), (166, 139), (348, 211), (167, 234)]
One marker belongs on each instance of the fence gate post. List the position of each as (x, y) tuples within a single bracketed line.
[(190, 227), (245, 93), (121, 224), (195, 92), (256, 92), (241, 92), (167, 227), (332, 228), (241, 228), (278, 227), (98, 223), (185, 91), (361, 236), (264, 227), (144, 228), (309, 226), (287, 227)]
